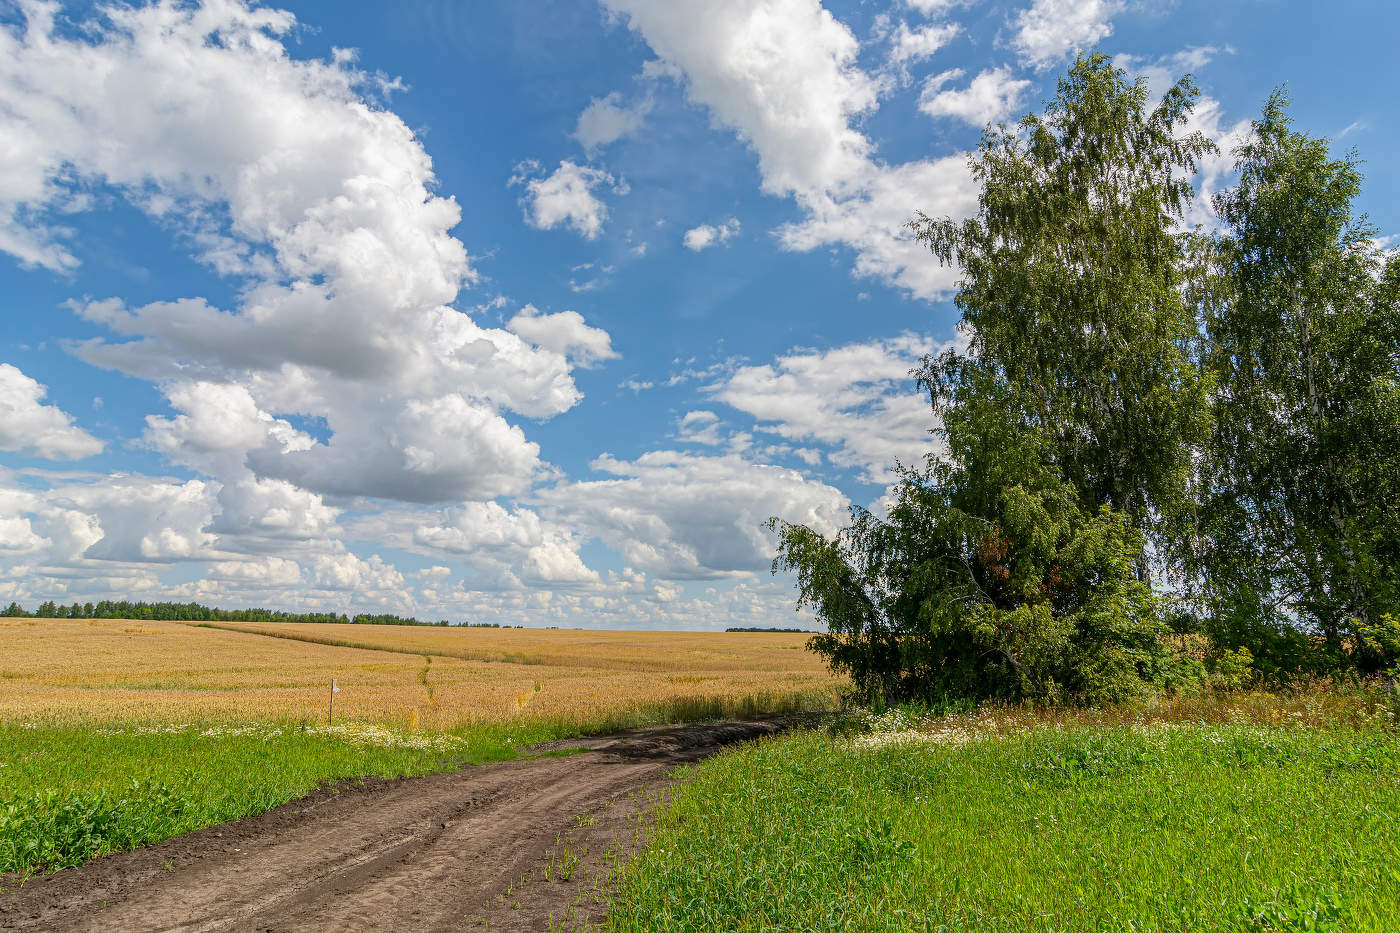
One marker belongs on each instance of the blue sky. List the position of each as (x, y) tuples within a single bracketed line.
[(527, 312)]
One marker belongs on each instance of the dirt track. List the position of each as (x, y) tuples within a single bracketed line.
[(461, 851)]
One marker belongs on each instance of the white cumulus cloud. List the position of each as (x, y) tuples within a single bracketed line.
[(859, 400), (707, 235), (991, 97), (682, 516), (606, 120), (908, 46), (565, 333), (29, 426), (565, 197), (1049, 30)]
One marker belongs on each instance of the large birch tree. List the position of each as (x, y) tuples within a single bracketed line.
[(1302, 513)]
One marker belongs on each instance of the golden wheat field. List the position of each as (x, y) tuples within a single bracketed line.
[(437, 678)]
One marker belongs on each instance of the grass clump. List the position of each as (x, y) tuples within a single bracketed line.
[(965, 823)]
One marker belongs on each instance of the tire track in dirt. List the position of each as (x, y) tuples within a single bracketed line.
[(501, 847)]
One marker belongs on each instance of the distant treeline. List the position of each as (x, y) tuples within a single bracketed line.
[(747, 628), (194, 612)]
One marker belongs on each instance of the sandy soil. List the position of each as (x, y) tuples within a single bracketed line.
[(486, 848)]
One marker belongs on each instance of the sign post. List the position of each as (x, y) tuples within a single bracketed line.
[(330, 716)]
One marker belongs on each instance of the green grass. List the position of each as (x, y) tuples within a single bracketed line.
[(1111, 828), (72, 792)]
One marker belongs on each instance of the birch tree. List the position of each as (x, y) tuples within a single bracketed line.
[(1303, 510), (1074, 290)]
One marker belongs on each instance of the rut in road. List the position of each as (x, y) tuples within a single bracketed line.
[(459, 851)]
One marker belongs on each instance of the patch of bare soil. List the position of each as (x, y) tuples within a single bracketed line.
[(509, 846)]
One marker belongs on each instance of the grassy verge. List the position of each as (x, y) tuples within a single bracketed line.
[(968, 823), (69, 792)]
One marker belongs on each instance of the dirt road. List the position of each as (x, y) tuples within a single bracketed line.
[(497, 847)]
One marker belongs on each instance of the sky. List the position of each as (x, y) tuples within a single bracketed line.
[(533, 312)]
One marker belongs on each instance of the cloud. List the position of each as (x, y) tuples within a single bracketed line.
[(1355, 126), (286, 175), (681, 516), (706, 235), (269, 513), (264, 571), (874, 223), (935, 7), (705, 427), (859, 400), (605, 120), (546, 553), (29, 426), (504, 548), (522, 567), (17, 535), (780, 72), (220, 423), (1050, 30), (288, 148), (783, 75), (99, 536), (700, 427), (346, 571), (914, 45), (564, 333), (991, 97), (565, 197), (444, 449), (341, 373), (127, 519)]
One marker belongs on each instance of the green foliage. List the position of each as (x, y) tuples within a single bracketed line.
[(1301, 514), (1297, 909), (1074, 293), (52, 829), (1204, 828), (1016, 566), (1025, 596), (1384, 635)]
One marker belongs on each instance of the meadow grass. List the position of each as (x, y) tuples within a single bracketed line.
[(1016, 821)]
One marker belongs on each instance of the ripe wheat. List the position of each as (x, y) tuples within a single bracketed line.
[(163, 672)]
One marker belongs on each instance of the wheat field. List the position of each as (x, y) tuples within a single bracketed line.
[(56, 670)]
